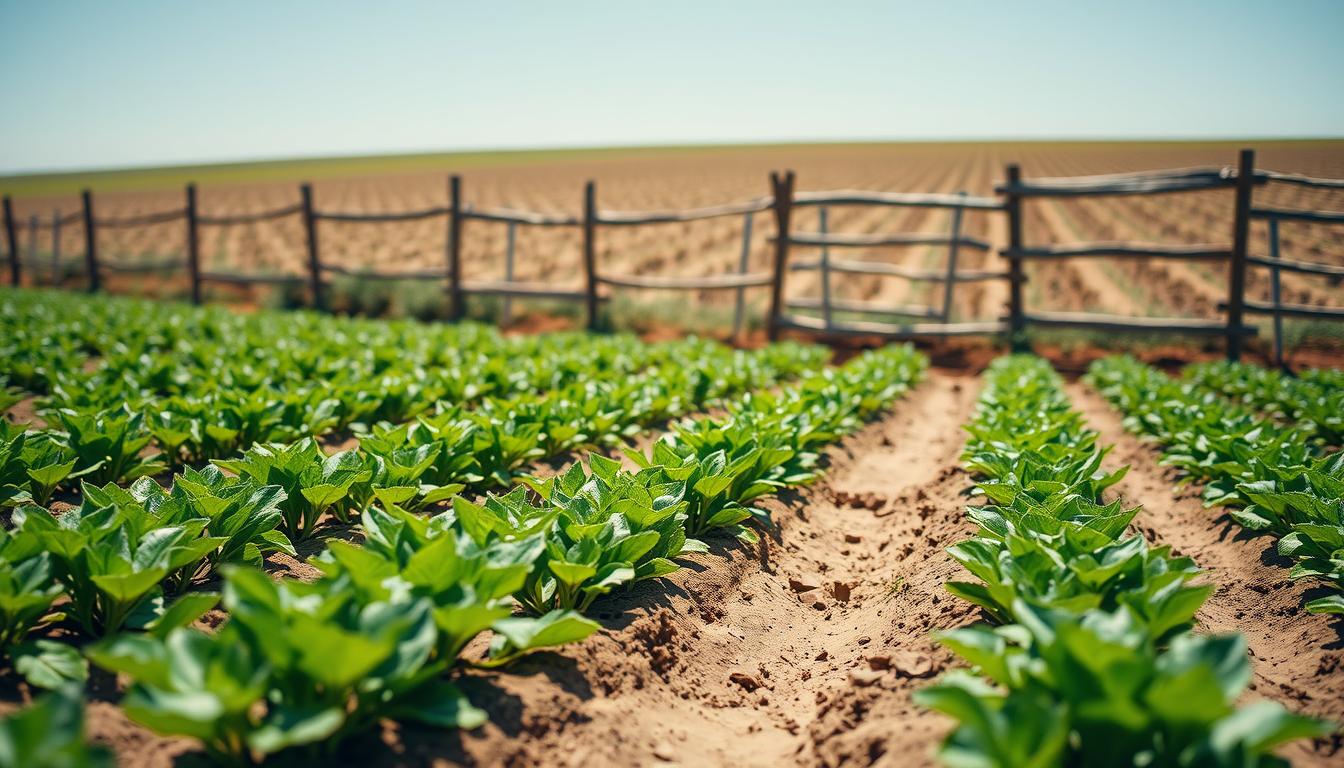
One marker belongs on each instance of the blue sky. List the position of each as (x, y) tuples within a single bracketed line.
[(102, 84)]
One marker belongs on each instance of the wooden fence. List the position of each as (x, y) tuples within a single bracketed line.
[(930, 321)]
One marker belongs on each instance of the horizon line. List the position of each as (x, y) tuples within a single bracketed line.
[(39, 173)]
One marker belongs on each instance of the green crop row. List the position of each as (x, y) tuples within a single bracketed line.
[(557, 393), (1091, 660), (1272, 478), (380, 634), (1313, 401), (123, 554)]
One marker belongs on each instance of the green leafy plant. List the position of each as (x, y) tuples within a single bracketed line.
[(601, 531), (111, 557), (313, 483), (1092, 689), (1093, 662), (50, 732), (107, 445), (1271, 477)]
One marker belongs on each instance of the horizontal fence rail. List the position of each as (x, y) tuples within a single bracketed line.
[(235, 278), (631, 218), (1304, 267), (148, 265), (530, 218), (898, 270), (897, 199), (896, 330), (143, 220), (781, 203), (1123, 250), (1286, 214), (250, 218), (378, 218), (711, 282), (866, 307), (1301, 180), (1101, 322), (1142, 183), (1296, 310), (844, 240)]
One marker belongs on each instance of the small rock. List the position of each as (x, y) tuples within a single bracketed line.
[(864, 677), (865, 640), (745, 680), (822, 656), (913, 665), (803, 583), (853, 538), (841, 591), (663, 751), (879, 663)]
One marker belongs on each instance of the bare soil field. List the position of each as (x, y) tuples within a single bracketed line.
[(646, 179)]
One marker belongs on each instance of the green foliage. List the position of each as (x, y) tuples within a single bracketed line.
[(313, 483), (1271, 477), (1314, 401), (1093, 662), (50, 734), (1092, 688), (299, 667), (204, 384), (123, 552)]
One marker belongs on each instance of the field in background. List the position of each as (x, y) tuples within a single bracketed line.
[(683, 177)]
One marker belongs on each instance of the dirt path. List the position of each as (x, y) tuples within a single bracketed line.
[(1298, 657), (802, 652)]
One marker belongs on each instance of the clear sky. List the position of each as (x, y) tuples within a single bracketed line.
[(102, 84)]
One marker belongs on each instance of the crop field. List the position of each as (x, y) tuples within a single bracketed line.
[(680, 178), (293, 538)]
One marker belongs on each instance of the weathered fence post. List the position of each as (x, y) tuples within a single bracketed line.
[(57, 275), (950, 281), (744, 261), (193, 246), (1274, 291), (590, 250), (90, 243), (1241, 229), (1016, 314), (314, 262), (456, 308), (781, 190), (33, 222), (824, 263), (506, 307), (11, 242)]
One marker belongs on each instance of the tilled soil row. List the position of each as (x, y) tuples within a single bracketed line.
[(802, 651)]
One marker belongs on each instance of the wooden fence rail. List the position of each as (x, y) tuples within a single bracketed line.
[(1011, 198)]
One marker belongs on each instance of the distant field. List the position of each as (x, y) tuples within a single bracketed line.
[(311, 169), (682, 177)]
